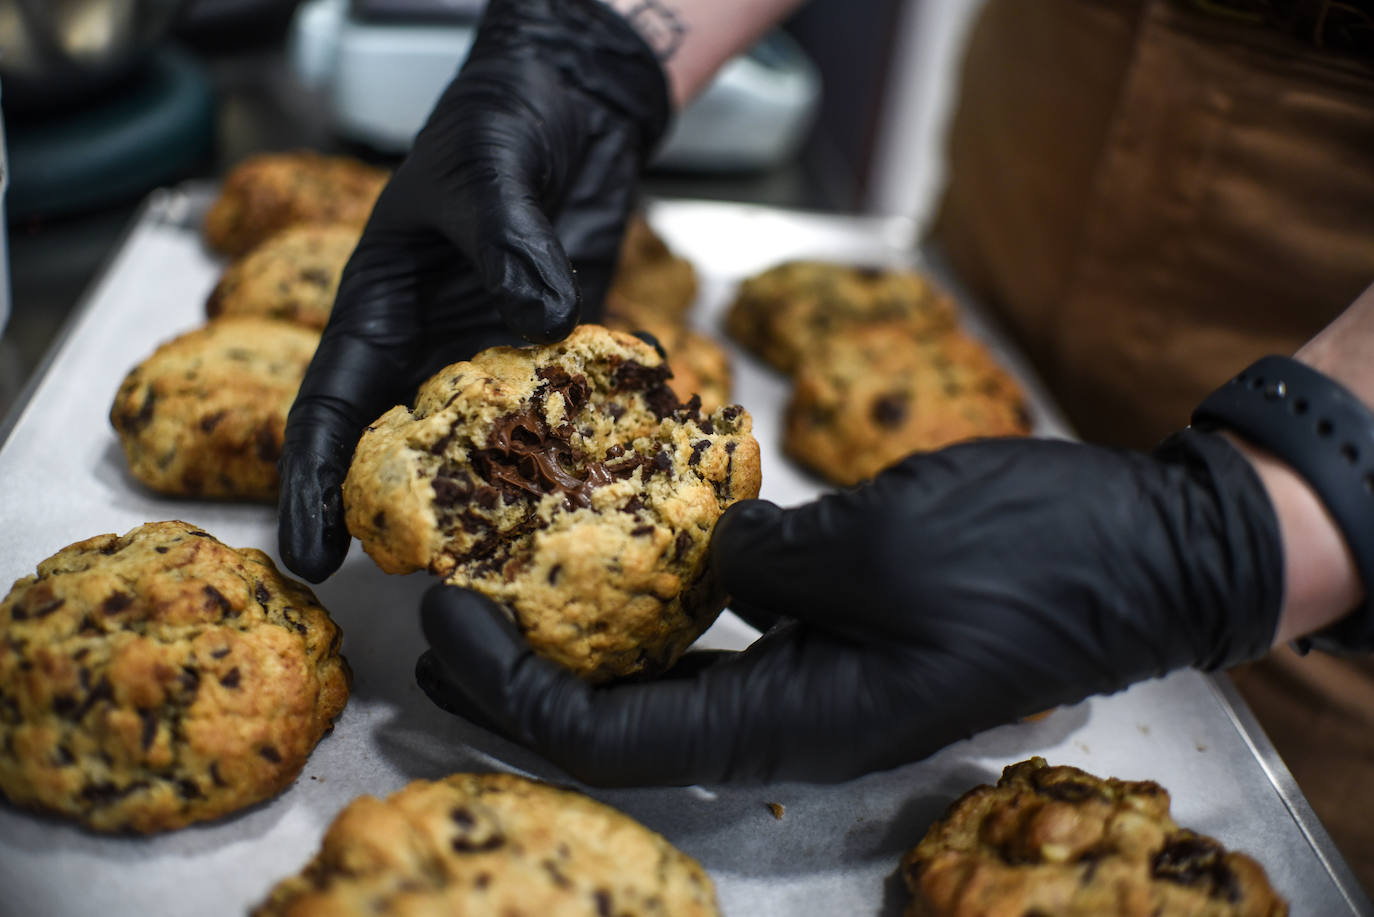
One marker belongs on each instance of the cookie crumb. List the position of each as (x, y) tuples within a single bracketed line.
[(776, 808)]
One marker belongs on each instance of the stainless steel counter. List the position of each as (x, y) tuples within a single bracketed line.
[(835, 850)]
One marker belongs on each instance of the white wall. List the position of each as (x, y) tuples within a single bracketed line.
[(909, 165)]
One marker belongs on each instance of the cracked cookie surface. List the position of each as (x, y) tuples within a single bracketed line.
[(785, 313), (1059, 842), (293, 276), (268, 192), (492, 844), (161, 678), (566, 482), (871, 396), (205, 414)]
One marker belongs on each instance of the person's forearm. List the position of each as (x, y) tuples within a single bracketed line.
[(1322, 582), (693, 38)]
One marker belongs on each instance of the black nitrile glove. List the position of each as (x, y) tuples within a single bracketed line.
[(513, 198), (957, 591)]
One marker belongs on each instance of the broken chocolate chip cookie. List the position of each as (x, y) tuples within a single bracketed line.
[(567, 482), (492, 844), (161, 678), (1059, 841)]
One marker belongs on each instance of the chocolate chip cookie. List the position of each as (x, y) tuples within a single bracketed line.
[(1060, 842), (786, 312), (651, 283), (868, 397), (293, 276), (568, 482), (204, 416), (492, 844), (266, 193), (161, 678)]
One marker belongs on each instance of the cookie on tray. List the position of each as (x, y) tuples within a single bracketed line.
[(875, 394), (787, 311), (293, 276), (492, 844), (568, 482), (266, 193), (205, 414), (651, 283), (161, 678), (699, 363), (1061, 842)]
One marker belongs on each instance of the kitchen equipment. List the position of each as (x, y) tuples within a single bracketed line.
[(381, 64), (56, 52), (98, 111), (836, 848)]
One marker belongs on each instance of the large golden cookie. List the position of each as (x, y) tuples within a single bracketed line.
[(1060, 842), (161, 678), (205, 415), (492, 844)]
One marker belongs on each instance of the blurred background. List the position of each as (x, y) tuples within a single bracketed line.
[(105, 100)]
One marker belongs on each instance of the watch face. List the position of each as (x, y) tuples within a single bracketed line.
[(417, 10)]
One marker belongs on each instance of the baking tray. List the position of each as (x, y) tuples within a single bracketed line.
[(836, 848)]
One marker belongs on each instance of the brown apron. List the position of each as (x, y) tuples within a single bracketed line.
[(1151, 197)]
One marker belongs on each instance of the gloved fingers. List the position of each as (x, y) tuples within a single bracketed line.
[(824, 562), (362, 366), (503, 232), (591, 221), (790, 707)]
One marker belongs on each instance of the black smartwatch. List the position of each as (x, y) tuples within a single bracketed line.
[(1327, 435)]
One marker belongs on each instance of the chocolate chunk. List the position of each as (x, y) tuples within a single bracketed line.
[(603, 902), (379, 520), (698, 448), (482, 880), (230, 679), (189, 679), (317, 277), (261, 594), (555, 874), (45, 609), (200, 534), (642, 530), (215, 777), (149, 719), (111, 547), (615, 451), (1070, 791), (106, 792), (463, 845), (1195, 860), (462, 818), (219, 653), (210, 421), (134, 423), (486, 497), (188, 789), (889, 410), (448, 491), (117, 602), (64, 757), (81, 653), (101, 692), (614, 409), (662, 401), (161, 549), (553, 573), (215, 600), (680, 545), (632, 376), (270, 753), (574, 389)]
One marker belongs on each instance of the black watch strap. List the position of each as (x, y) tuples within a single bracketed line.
[(1327, 435)]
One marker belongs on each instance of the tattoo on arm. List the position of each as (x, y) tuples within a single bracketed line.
[(658, 23)]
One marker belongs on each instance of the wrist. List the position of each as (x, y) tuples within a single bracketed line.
[(1321, 581)]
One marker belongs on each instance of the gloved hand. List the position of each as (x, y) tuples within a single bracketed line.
[(957, 591), (512, 199)]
